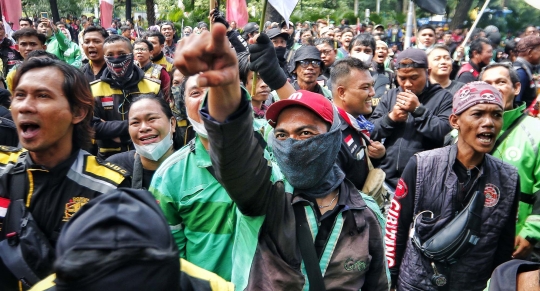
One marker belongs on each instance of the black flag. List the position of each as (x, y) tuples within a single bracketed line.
[(432, 6)]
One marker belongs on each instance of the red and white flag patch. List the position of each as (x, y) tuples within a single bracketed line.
[(349, 140), (4, 203), (107, 101)]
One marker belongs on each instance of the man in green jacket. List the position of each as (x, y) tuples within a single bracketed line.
[(520, 149), (58, 44)]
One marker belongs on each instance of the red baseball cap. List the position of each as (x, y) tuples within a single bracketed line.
[(312, 101)]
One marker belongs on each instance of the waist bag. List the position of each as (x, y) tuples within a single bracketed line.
[(458, 236), (26, 250)]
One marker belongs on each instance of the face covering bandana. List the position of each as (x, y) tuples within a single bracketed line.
[(155, 151), (310, 165), (365, 58), (180, 105), (198, 127), (280, 53), (120, 66)]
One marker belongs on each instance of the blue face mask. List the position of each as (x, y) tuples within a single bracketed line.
[(155, 151), (310, 165)]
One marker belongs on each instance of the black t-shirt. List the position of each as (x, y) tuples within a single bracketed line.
[(126, 160)]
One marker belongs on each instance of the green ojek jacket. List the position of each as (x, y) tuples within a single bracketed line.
[(520, 149)]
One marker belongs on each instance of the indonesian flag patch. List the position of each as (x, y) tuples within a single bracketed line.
[(349, 140), (4, 203), (107, 101)]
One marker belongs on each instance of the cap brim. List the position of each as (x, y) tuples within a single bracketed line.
[(282, 34), (272, 113)]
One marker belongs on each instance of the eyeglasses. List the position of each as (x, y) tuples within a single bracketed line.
[(140, 49), (325, 52), (314, 63)]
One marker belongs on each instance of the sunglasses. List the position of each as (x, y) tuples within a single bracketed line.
[(314, 63)]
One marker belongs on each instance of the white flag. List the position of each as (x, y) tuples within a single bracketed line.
[(533, 3), (284, 7)]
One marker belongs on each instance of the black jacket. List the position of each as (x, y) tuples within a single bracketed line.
[(423, 130)]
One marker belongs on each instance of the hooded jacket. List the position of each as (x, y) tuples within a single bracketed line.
[(424, 129), (112, 106)]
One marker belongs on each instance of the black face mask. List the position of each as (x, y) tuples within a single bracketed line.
[(280, 53), (125, 62)]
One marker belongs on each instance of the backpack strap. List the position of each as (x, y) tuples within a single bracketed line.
[(507, 132), (307, 249), (468, 68)]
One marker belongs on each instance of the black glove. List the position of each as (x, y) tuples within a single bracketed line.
[(264, 61), (218, 16)]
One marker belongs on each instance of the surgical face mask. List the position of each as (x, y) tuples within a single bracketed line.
[(198, 128), (365, 58), (155, 151)]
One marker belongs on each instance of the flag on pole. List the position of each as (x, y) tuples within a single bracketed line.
[(432, 6), (533, 3), (237, 11), (107, 8), (12, 10), (284, 7)]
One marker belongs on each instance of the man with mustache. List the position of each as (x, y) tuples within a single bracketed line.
[(120, 83), (308, 66)]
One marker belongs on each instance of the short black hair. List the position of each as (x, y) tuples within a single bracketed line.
[(325, 40), (41, 53), (510, 47), (426, 26), (149, 44), (511, 71), (115, 38), (364, 39), (167, 23), (29, 32), (76, 89), (437, 46), (157, 34), (477, 45), (342, 69), (96, 28), (124, 28), (27, 20)]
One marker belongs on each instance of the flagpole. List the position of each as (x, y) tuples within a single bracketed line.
[(475, 23), (409, 26), (212, 6), (261, 25)]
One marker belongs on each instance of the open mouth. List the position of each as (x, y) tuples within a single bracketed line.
[(28, 129), (92, 53), (149, 139), (486, 138), (121, 68)]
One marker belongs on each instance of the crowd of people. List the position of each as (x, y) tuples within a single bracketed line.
[(283, 157)]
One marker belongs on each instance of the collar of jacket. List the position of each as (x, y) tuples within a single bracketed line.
[(450, 179), (510, 115), (202, 158), (353, 201), (158, 58)]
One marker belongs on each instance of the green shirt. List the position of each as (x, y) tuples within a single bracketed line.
[(520, 149), (200, 213)]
